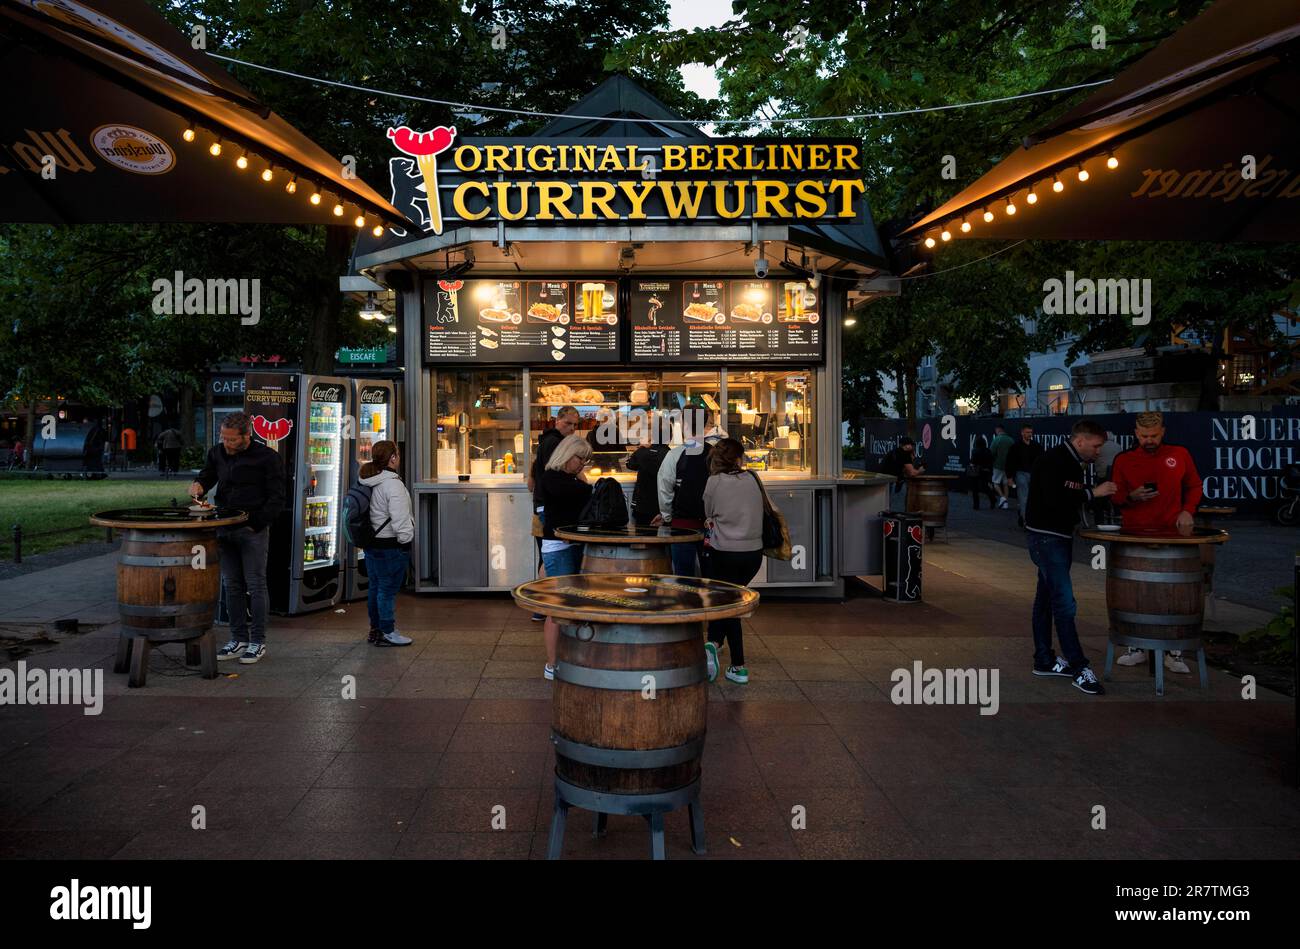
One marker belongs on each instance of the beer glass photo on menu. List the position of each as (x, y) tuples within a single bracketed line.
[(597, 299), (798, 303)]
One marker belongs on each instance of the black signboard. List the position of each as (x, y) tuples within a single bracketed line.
[(521, 321), (700, 320)]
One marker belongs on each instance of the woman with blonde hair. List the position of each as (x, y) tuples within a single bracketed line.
[(562, 493), (388, 553)]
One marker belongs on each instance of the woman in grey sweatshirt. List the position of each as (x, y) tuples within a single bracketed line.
[(733, 513)]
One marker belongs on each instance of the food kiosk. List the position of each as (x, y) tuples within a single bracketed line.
[(663, 282)]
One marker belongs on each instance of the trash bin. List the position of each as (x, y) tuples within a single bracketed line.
[(903, 533)]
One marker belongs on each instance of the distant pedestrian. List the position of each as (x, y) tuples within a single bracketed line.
[(1000, 447), (981, 473), (19, 453), (1020, 462), (388, 552), (733, 512), (1057, 491), (562, 492), (169, 444)]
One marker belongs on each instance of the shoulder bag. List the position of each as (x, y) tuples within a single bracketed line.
[(776, 533)]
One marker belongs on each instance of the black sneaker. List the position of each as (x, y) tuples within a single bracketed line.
[(1085, 681), (1058, 668), (373, 636)]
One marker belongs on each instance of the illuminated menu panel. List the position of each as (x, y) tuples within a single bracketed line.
[(521, 321), (725, 320)]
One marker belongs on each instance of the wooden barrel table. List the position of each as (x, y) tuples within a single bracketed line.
[(168, 582), (630, 700), (628, 550), (1155, 592), (927, 495)]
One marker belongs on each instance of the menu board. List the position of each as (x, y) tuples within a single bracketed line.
[(521, 321), (725, 320)]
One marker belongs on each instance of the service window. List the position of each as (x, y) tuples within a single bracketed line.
[(478, 424), (771, 413)]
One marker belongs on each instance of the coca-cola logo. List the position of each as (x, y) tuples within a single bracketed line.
[(371, 396), (325, 394)]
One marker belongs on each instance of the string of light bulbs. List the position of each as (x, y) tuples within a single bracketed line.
[(1007, 196), (268, 174), (781, 120)]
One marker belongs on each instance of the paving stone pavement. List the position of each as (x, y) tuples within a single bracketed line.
[(444, 731)]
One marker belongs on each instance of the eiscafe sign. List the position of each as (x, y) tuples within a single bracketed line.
[(442, 183)]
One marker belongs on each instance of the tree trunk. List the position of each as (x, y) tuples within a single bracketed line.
[(322, 337), (187, 413)]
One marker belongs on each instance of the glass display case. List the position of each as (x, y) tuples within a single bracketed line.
[(771, 413), (620, 410), (478, 421)]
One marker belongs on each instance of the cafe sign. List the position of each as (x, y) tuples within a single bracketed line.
[(441, 182)]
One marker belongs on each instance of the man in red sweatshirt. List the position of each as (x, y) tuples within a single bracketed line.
[(1169, 505)]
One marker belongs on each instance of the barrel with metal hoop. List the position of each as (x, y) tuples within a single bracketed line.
[(168, 582), (927, 495), (628, 550), (630, 702), (1155, 592)]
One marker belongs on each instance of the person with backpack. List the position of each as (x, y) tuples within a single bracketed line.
[(646, 462), (377, 517), (682, 478), (563, 493), (902, 463), (733, 513)]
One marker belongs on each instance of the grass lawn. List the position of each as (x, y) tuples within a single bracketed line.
[(41, 505)]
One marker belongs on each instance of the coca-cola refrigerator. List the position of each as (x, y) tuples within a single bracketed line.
[(304, 417), (373, 399)]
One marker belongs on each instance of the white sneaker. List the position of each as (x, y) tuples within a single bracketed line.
[(548, 671), (1175, 663), (711, 660), (393, 639), (1002, 504), (1134, 657)]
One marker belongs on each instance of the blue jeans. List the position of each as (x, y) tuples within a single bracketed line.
[(563, 563), (386, 569), (1054, 601), (686, 558), (1022, 491), (243, 567)]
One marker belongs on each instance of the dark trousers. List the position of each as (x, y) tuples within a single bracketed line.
[(1054, 601), (243, 567), (980, 484), (738, 567)]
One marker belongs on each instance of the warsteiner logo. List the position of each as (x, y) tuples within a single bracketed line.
[(133, 149)]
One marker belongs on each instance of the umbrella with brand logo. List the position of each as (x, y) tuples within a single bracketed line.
[(1198, 140), (112, 117)]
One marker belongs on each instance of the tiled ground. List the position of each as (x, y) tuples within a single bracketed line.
[(444, 731)]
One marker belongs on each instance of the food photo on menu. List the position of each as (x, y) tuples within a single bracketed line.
[(498, 301), (548, 302), (703, 302), (751, 302)]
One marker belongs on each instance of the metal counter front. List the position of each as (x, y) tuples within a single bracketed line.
[(477, 536)]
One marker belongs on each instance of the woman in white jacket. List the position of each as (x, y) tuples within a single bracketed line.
[(388, 554)]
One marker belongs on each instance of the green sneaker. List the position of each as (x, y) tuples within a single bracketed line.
[(738, 674), (711, 659)]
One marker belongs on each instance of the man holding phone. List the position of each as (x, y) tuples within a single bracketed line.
[(1158, 489)]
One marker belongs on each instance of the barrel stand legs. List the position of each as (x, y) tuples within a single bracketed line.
[(122, 662), (697, 827), (1110, 660), (139, 662), (555, 844), (652, 807)]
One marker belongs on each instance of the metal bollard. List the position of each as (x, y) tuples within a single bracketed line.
[(18, 543)]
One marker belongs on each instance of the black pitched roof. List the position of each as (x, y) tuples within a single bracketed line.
[(618, 97)]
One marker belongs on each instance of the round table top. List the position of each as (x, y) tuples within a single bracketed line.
[(644, 598), (631, 534), (1216, 510), (1199, 535), (168, 518)]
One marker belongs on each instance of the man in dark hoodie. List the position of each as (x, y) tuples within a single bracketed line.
[(1057, 490), (645, 461)]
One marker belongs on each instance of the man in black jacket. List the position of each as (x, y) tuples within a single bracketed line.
[(1020, 465), (1057, 489), (248, 476)]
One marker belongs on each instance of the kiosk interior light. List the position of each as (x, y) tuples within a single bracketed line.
[(371, 310)]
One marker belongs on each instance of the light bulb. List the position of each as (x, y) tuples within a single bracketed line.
[(338, 210), (215, 148), (1011, 208), (241, 162), (850, 321), (988, 215), (1083, 173), (965, 227), (292, 186), (359, 221), (946, 235), (1057, 186), (377, 230), (1112, 162), (188, 134), (1031, 198), (267, 174), (929, 242), (315, 198)]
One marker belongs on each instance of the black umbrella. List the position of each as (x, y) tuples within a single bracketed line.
[(111, 116)]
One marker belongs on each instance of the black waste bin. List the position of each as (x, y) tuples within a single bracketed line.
[(903, 533)]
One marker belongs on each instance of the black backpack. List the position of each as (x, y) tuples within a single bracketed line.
[(606, 507), (356, 517), (892, 464)]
